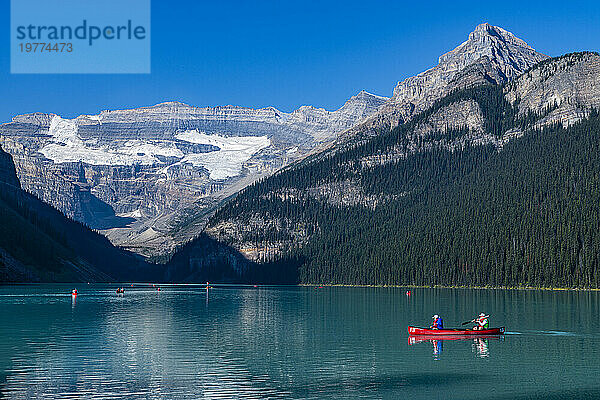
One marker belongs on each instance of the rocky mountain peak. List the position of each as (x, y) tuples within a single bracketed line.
[(509, 55), (486, 31), (364, 97), (363, 94), (363, 104), (489, 55), (503, 55)]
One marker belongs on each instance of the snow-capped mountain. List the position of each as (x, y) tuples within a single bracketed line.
[(150, 177), (134, 174)]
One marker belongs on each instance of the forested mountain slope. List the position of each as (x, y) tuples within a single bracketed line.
[(38, 243), (493, 185)]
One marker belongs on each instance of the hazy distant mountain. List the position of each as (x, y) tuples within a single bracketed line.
[(138, 175)]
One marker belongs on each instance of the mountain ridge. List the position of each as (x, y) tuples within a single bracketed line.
[(133, 173), (489, 55)]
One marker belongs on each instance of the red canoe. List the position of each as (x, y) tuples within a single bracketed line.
[(413, 330), (431, 338)]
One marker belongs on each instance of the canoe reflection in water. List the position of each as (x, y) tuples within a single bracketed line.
[(438, 346), (481, 348), (479, 345)]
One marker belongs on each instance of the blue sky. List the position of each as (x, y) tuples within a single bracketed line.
[(287, 54)]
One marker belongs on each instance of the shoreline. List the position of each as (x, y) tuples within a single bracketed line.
[(456, 287), (137, 284)]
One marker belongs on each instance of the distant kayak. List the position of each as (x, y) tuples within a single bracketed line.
[(413, 330)]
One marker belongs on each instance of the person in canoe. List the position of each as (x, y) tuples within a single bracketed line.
[(438, 323), (481, 322)]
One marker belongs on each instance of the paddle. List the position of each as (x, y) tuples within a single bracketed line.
[(473, 320)]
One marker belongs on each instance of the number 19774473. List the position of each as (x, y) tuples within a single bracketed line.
[(48, 47)]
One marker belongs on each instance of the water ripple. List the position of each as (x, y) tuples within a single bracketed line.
[(271, 343)]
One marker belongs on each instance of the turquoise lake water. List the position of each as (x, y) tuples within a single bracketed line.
[(185, 342)]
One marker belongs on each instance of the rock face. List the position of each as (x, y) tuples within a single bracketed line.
[(8, 175), (137, 174), (565, 89), (490, 55)]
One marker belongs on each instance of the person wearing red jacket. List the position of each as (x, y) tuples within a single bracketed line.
[(438, 323)]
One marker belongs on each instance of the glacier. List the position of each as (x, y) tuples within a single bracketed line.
[(137, 175)]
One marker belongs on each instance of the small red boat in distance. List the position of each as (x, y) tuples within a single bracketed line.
[(414, 331)]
